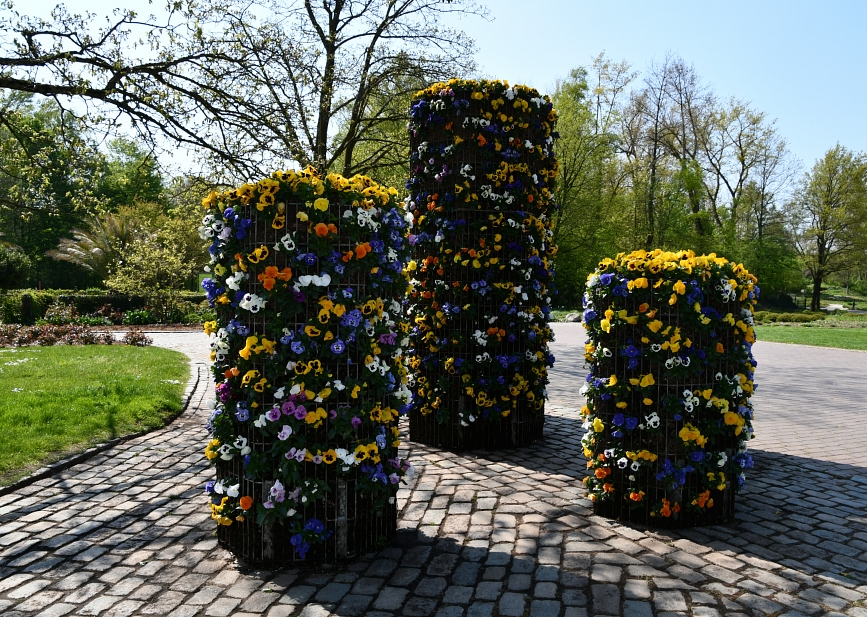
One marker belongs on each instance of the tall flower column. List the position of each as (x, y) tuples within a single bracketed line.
[(668, 409), (308, 362), (482, 172)]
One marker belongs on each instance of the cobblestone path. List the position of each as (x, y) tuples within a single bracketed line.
[(481, 534)]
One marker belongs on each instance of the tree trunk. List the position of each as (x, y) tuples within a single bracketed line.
[(815, 299)]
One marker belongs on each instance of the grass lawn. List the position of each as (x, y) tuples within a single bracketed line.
[(841, 337), (56, 401)]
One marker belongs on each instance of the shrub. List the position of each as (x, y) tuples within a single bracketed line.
[(136, 337), (14, 335), (26, 306), (769, 317), (141, 317)]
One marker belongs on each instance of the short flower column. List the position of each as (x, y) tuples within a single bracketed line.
[(668, 409), (306, 277), (480, 280)]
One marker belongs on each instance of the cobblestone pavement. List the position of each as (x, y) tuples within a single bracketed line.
[(481, 534)]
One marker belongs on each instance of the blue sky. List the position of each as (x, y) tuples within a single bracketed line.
[(800, 61)]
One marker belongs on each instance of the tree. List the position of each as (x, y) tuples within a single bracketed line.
[(131, 174), (49, 170), (829, 216), (588, 223), (249, 85), (157, 265), (101, 245)]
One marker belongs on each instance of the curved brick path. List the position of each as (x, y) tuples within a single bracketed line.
[(483, 534)]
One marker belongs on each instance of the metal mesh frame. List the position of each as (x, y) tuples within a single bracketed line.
[(357, 525)]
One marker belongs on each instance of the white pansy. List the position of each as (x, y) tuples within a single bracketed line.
[(252, 303), (234, 281)]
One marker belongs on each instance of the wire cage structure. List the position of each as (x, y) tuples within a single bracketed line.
[(668, 412), (482, 171), (306, 279)]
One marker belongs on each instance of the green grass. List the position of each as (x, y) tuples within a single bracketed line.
[(57, 401), (820, 336)]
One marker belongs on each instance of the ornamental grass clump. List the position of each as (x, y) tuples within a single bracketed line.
[(668, 412), (483, 167), (308, 360)]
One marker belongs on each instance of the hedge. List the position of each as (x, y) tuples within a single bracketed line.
[(14, 308)]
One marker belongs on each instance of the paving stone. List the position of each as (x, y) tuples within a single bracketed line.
[(634, 608), (390, 598), (353, 604), (545, 608), (333, 592), (466, 573), (488, 590), (758, 603), (512, 604), (222, 607), (636, 589), (481, 609), (574, 597), (458, 594), (669, 601), (606, 574), (450, 611), (419, 607), (606, 599)]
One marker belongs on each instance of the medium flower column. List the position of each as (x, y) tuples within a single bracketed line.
[(307, 350), (668, 409), (482, 171)]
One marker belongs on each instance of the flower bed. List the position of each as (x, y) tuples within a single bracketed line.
[(307, 349), (482, 167), (14, 335), (668, 413)]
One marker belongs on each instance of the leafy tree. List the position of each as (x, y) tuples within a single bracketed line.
[(249, 85), (157, 267), (131, 174), (48, 169), (829, 216), (589, 189)]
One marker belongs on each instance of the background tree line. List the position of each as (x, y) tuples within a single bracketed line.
[(660, 160), (657, 160)]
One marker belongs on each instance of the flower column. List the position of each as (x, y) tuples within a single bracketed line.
[(482, 169), (668, 412), (307, 351)]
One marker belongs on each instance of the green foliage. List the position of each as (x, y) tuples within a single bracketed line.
[(130, 175), (807, 334), (15, 268), (770, 317), (830, 207), (158, 266), (593, 210), (50, 407), (98, 247), (48, 174), (14, 308)]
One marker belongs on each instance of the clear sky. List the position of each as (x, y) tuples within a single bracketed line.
[(800, 61)]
